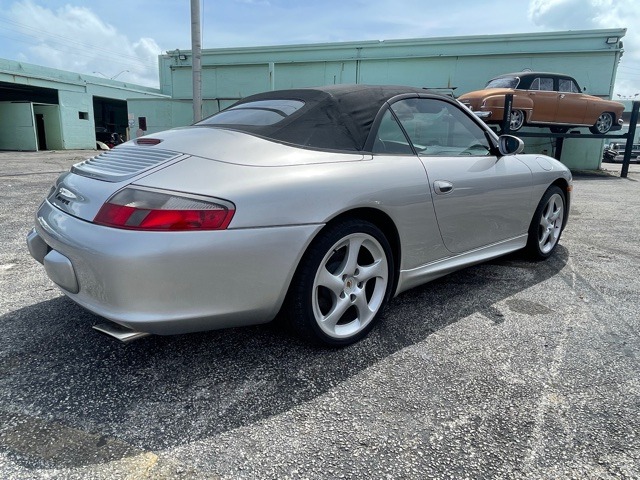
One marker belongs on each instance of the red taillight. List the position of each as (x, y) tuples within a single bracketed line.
[(142, 209)]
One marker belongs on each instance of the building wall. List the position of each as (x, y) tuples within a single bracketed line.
[(74, 125), (462, 62)]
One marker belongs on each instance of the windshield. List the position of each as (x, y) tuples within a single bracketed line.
[(503, 82)]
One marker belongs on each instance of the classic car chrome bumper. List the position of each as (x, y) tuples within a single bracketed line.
[(481, 114)]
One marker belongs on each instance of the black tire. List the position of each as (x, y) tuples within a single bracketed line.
[(340, 304), (603, 124), (547, 224)]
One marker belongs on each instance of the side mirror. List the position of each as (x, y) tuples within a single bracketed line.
[(510, 145)]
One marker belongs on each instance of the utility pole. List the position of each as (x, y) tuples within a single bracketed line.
[(196, 63)]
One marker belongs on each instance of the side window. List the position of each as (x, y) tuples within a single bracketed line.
[(390, 138), (567, 85), (438, 128), (535, 85), (546, 84)]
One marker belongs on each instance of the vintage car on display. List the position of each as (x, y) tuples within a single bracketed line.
[(545, 100), (614, 152), (319, 203)]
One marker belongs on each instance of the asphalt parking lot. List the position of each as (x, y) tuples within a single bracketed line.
[(508, 369)]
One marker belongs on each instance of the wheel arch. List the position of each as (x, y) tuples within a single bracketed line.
[(386, 225), (377, 218), (613, 116), (372, 215)]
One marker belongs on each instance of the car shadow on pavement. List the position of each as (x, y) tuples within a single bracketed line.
[(71, 396)]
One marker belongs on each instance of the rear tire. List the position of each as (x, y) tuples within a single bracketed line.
[(342, 284), (547, 224)]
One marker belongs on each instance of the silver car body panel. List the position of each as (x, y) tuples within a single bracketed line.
[(473, 211), (425, 273), (315, 194)]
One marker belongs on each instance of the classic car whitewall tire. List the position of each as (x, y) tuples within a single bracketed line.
[(603, 123), (547, 223), (342, 284)]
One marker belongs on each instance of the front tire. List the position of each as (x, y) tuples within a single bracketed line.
[(603, 124), (342, 284), (547, 224)]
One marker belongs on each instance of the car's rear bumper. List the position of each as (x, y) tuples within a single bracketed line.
[(169, 282)]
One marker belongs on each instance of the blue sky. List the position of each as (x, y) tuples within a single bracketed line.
[(123, 38)]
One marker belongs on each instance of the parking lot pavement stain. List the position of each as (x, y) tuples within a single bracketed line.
[(527, 307), (41, 443)]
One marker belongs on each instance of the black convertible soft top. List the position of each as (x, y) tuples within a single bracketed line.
[(335, 117)]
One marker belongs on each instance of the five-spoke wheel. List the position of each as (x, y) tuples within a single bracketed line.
[(547, 224), (342, 284)]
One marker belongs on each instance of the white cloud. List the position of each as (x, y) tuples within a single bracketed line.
[(586, 14), (566, 14), (76, 39)]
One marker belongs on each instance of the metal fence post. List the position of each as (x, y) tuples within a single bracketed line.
[(506, 118), (631, 135)]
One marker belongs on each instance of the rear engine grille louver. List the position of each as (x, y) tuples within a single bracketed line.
[(122, 163)]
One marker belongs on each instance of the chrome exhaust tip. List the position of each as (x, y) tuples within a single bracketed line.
[(120, 332)]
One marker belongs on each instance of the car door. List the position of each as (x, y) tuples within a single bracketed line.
[(545, 100), (572, 104), (479, 199)]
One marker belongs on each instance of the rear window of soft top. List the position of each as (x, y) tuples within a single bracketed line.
[(261, 112)]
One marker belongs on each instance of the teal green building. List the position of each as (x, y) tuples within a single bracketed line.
[(48, 109)]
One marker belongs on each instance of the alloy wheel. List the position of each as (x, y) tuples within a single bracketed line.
[(350, 285), (551, 223)]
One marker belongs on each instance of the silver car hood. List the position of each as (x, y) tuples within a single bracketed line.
[(239, 148)]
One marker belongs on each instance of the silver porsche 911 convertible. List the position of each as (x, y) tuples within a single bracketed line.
[(320, 203)]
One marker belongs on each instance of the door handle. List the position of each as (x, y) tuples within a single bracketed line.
[(562, 95), (442, 187)]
